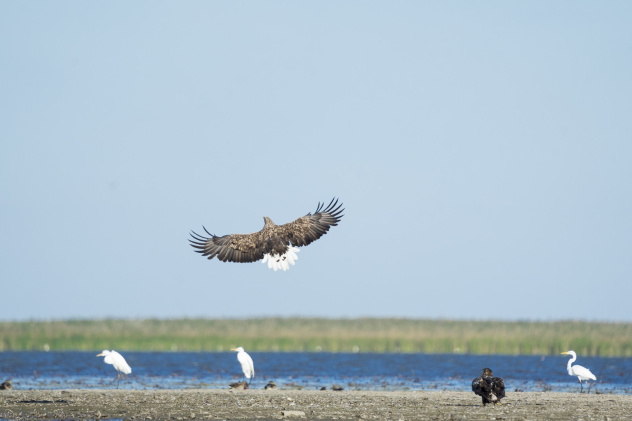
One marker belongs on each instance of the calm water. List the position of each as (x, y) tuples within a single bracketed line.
[(183, 370)]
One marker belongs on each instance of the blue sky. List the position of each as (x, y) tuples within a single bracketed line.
[(482, 151)]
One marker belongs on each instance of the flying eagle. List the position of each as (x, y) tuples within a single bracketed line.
[(275, 244), (486, 385)]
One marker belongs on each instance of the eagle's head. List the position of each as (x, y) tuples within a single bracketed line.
[(487, 372)]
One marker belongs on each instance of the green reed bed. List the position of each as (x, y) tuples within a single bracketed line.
[(327, 335)]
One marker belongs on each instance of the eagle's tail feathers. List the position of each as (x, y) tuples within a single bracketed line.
[(282, 261), (270, 260)]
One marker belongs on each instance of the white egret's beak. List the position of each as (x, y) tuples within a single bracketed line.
[(563, 353), (233, 349), (100, 355)]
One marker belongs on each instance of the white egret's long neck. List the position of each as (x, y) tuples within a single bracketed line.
[(571, 361)]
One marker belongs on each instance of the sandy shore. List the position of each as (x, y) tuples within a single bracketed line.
[(315, 405)]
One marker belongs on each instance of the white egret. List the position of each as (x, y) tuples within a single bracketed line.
[(117, 360), (247, 366), (582, 373)]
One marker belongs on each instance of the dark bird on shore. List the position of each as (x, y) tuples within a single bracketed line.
[(275, 244), (270, 385), (6, 385), (487, 385), (337, 387), (240, 385)]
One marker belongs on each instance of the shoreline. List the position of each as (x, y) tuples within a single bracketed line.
[(251, 404)]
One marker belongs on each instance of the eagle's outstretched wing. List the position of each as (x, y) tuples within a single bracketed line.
[(309, 228), (272, 240), (240, 248)]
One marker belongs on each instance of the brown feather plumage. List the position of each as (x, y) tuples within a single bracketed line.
[(487, 385), (272, 239)]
